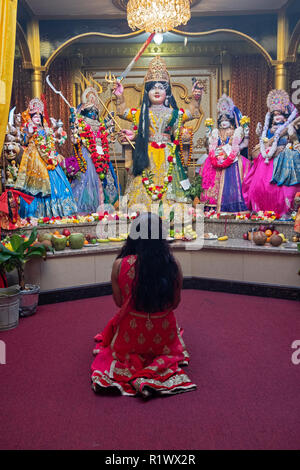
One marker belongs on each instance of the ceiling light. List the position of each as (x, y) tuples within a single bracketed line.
[(158, 38), (157, 16)]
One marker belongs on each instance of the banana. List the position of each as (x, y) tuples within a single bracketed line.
[(222, 239), (102, 240), (114, 239)]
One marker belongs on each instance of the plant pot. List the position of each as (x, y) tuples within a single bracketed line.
[(29, 300), (9, 307)]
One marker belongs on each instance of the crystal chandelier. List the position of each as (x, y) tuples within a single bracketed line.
[(157, 16)]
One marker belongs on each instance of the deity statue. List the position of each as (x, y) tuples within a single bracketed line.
[(225, 168), (274, 178), (40, 174), (157, 173), (95, 182), (9, 208)]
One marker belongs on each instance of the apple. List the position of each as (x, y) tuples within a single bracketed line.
[(66, 232), (245, 236)]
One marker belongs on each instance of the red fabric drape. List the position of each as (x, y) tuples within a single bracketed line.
[(251, 81), (60, 74), (21, 89)]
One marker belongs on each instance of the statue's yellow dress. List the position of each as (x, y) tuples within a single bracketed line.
[(161, 130)]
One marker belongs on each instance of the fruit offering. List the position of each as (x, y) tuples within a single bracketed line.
[(275, 240), (270, 235), (76, 241), (259, 238), (59, 242)]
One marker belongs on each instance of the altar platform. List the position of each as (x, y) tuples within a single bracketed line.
[(236, 266)]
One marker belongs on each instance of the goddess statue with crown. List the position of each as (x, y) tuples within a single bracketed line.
[(274, 179), (157, 173), (95, 182), (225, 168), (40, 173)]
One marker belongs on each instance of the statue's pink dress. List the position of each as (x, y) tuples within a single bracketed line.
[(137, 351)]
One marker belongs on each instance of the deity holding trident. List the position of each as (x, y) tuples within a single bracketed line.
[(157, 173)]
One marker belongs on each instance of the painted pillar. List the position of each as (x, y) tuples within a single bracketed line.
[(33, 38), (282, 47)]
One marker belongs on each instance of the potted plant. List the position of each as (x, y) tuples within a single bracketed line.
[(195, 190), (14, 255)]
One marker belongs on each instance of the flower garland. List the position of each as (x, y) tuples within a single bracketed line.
[(222, 160), (267, 154), (101, 162), (80, 158), (154, 191), (46, 148), (190, 131)]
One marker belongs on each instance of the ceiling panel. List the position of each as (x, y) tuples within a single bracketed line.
[(105, 8)]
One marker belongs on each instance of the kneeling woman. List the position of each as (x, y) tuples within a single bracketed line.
[(140, 350)]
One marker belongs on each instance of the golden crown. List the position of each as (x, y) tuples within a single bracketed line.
[(278, 100), (157, 71)]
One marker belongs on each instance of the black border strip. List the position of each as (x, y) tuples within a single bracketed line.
[(196, 283)]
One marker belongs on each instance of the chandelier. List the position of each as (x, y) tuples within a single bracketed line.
[(157, 16)]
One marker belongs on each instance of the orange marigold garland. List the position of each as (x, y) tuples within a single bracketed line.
[(46, 148), (80, 158), (190, 131)]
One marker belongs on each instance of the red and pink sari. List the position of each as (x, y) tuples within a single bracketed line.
[(137, 352)]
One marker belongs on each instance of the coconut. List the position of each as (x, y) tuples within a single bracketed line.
[(76, 241), (59, 242), (275, 240), (45, 236), (259, 238)]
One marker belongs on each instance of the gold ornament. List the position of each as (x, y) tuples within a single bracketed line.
[(157, 71)]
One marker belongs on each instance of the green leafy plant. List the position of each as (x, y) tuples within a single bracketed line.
[(20, 253), (195, 190)]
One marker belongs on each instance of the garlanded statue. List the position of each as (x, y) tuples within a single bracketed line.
[(9, 208), (40, 174), (225, 168), (274, 178), (157, 173), (95, 182)]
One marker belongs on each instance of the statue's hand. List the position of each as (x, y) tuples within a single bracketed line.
[(118, 88), (246, 131), (197, 90), (291, 130), (259, 129), (126, 134)]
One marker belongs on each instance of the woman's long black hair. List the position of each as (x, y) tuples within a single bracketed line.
[(156, 269), (140, 154)]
